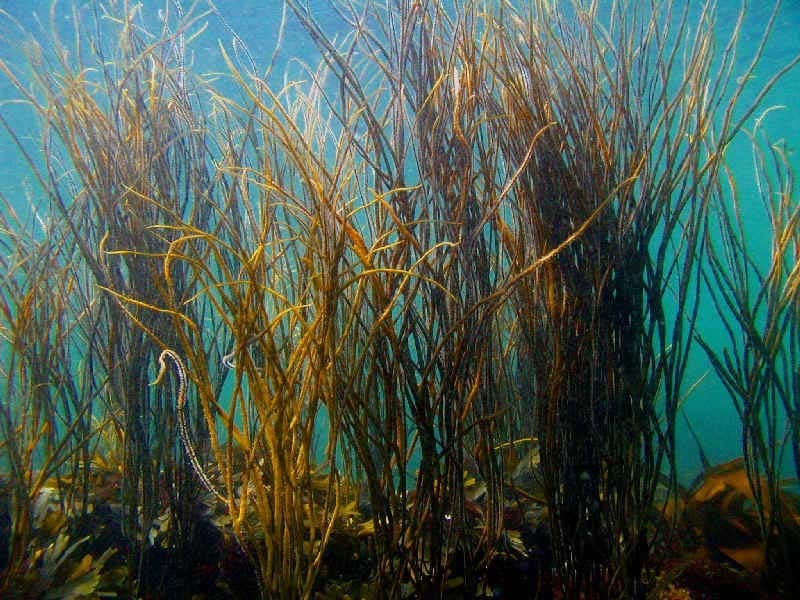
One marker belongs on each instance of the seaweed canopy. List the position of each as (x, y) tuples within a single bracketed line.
[(46, 424), (120, 149), (642, 168), (364, 293)]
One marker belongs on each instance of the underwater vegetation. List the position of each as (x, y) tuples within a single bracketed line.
[(412, 323)]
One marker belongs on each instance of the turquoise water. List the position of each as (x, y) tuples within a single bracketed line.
[(257, 25), (709, 408)]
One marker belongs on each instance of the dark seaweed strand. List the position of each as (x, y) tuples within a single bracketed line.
[(183, 429)]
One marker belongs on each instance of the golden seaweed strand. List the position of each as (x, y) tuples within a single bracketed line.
[(183, 428)]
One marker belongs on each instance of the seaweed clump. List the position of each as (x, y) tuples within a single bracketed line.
[(397, 328)]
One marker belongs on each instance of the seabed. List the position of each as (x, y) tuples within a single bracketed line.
[(717, 551)]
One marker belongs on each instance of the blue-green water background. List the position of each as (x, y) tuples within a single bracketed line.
[(256, 22)]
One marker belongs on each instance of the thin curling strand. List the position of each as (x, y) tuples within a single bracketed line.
[(183, 429)]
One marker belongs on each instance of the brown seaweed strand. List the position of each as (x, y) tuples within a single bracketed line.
[(183, 429)]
